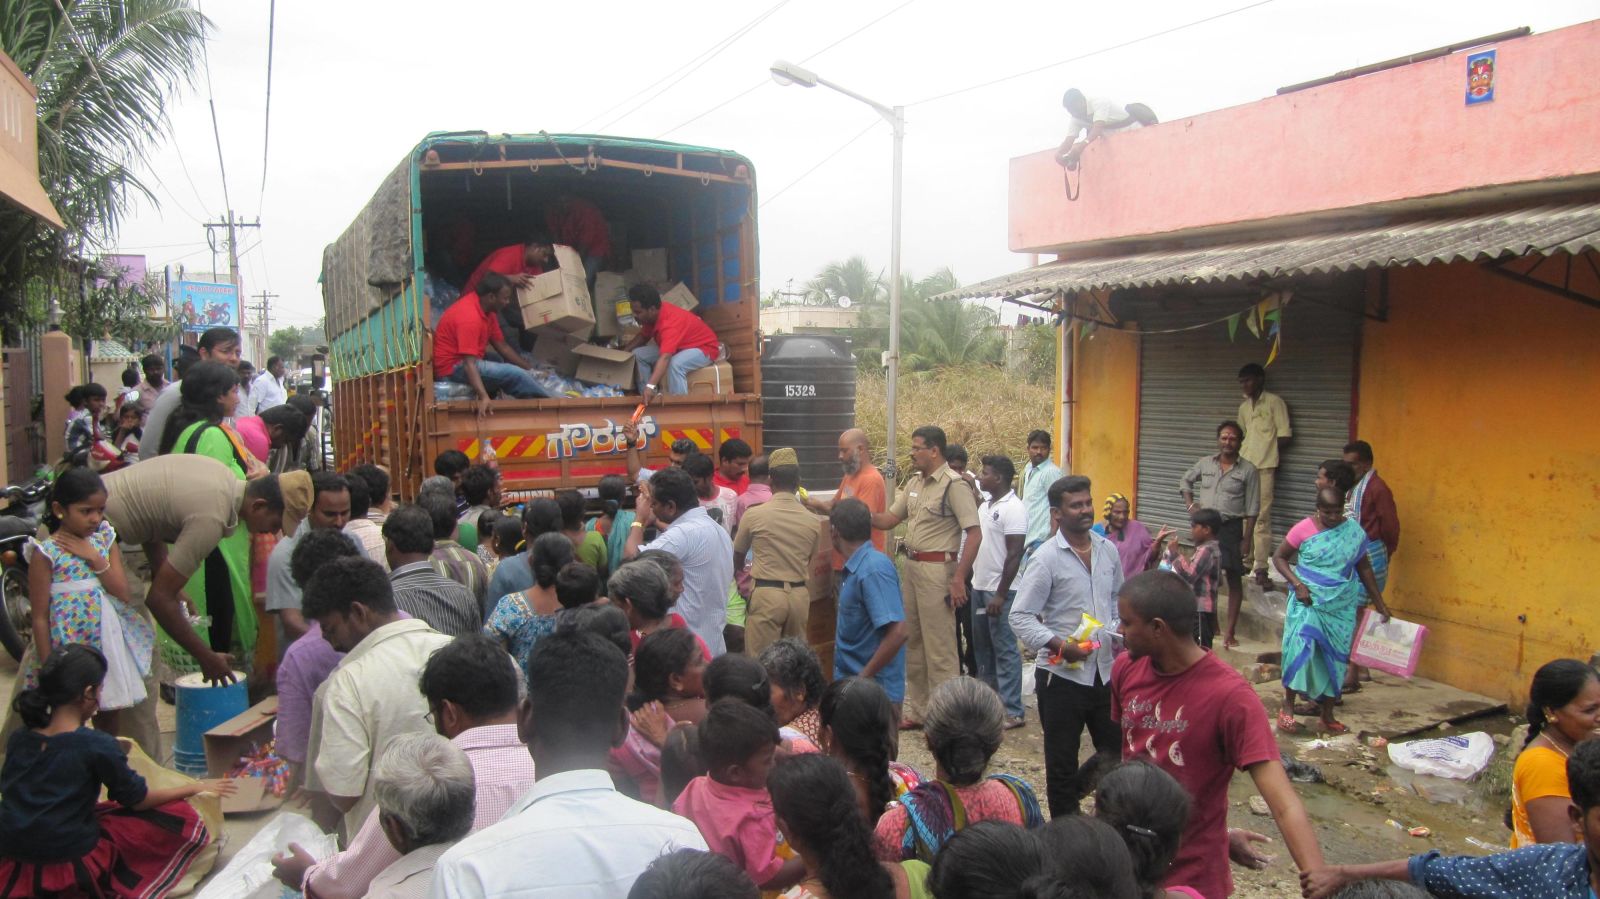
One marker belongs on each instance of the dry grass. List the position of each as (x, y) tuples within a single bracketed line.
[(980, 407)]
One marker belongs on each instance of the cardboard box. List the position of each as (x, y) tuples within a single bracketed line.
[(233, 738), (716, 378), (602, 365), (554, 348), (610, 288), (650, 266), (559, 299), (680, 296)]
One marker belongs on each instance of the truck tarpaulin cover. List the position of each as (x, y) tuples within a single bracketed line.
[(371, 260)]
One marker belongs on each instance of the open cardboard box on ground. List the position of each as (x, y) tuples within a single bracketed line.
[(234, 738), (602, 365), (559, 299), (716, 378)]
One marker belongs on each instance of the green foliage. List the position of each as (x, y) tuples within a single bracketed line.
[(110, 307), (104, 70), (852, 278), (948, 397), (285, 342), (933, 333), (1037, 347)]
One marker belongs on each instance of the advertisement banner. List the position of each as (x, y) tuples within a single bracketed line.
[(201, 305)]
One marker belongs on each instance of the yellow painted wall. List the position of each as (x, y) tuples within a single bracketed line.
[(1479, 398), (1105, 410)]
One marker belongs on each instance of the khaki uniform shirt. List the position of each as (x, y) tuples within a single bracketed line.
[(1264, 420), (937, 509), (189, 501), (784, 535)]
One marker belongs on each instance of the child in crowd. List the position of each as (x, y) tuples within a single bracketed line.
[(816, 813), (83, 425), (129, 431), (487, 521), (1200, 570), (668, 690), (1149, 810), (56, 837), (507, 540), (79, 594), (692, 874), (730, 804), (577, 585)]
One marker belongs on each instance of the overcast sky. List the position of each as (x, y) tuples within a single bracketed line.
[(357, 84)]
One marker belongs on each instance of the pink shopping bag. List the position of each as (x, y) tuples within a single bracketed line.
[(1393, 646)]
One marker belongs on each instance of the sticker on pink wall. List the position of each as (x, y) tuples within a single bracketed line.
[(1480, 78)]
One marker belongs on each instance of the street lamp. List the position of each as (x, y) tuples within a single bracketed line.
[(787, 73)]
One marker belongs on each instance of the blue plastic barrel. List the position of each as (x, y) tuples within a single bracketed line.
[(200, 708)]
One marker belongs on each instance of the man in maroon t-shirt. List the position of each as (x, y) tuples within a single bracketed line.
[(1191, 715)]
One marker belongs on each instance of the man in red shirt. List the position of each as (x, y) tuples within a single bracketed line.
[(579, 224), (1188, 713), (671, 343), (467, 329), (733, 465), (518, 262)]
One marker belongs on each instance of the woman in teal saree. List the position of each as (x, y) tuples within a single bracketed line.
[(1324, 559)]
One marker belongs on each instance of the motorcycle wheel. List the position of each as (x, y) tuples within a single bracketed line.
[(16, 614)]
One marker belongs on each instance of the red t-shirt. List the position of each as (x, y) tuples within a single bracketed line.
[(679, 329), (580, 227), (739, 486), (509, 261), (464, 330), (1199, 726)]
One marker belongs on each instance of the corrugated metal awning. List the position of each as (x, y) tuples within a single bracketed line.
[(1499, 235)]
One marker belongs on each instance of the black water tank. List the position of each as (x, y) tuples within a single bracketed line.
[(808, 398)]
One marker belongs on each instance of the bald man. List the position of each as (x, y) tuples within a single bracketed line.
[(861, 481)]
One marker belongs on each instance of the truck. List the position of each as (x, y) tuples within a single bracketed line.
[(458, 196)]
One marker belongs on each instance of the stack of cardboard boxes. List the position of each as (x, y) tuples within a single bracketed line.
[(558, 308)]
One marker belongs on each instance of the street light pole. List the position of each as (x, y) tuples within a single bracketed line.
[(786, 73)]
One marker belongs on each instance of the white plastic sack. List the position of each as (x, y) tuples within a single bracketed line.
[(1461, 757), (249, 874)]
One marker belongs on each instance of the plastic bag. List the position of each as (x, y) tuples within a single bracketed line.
[(1392, 646), (249, 875), (1460, 757), (445, 391)]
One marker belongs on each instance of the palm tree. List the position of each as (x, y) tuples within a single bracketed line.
[(852, 278), (945, 333), (105, 70)]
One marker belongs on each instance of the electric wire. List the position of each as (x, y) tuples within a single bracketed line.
[(765, 81), (266, 124), (820, 163), (1107, 49), (714, 53)]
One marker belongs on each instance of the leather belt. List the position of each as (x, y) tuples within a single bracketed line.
[(931, 557), (768, 582)]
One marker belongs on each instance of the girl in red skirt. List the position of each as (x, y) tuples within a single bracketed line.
[(56, 838)]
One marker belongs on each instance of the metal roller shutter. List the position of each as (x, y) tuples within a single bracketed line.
[(1188, 385)]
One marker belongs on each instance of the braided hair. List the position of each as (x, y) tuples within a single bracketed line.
[(813, 796), (859, 720), (1148, 809), (1554, 685)]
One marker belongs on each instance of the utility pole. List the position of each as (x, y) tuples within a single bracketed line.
[(263, 316), (233, 224)]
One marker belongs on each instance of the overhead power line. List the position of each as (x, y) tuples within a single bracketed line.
[(696, 64), (1071, 59), (820, 163), (211, 101), (752, 88), (266, 125)]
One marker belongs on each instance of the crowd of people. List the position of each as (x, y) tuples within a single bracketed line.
[(486, 703)]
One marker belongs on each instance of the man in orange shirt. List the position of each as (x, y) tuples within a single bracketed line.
[(861, 481), (671, 343)]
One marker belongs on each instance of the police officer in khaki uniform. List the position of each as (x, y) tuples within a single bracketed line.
[(938, 507), (782, 537)]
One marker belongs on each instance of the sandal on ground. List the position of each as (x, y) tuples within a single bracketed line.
[(1351, 688), (1308, 708), (1262, 579), (908, 724), (1288, 725), (1016, 722), (1334, 727), (1230, 643)]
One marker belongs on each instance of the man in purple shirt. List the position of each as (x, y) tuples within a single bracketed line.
[(310, 659)]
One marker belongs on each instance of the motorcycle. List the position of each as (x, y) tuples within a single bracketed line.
[(19, 523)]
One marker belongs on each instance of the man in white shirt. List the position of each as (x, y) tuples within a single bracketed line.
[(573, 835), (1004, 523), (267, 389), (699, 544), (372, 696), (1093, 117)]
